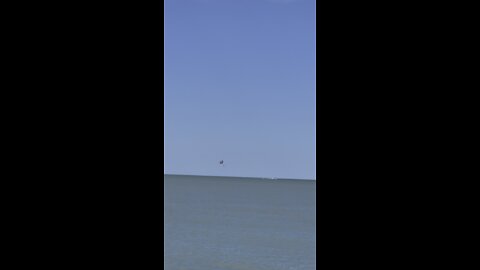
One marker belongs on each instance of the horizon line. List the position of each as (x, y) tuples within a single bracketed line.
[(275, 178)]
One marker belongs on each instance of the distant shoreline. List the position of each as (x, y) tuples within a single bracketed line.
[(243, 177)]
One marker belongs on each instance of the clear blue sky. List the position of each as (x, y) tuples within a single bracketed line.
[(240, 86)]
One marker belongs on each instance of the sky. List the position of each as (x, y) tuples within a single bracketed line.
[(240, 82)]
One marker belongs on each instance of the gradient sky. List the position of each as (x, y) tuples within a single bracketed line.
[(240, 86)]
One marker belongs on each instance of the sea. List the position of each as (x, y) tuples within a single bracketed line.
[(233, 223)]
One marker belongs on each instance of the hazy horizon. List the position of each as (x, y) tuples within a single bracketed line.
[(230, 176)]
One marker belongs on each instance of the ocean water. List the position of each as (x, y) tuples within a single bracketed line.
[(228, 223)]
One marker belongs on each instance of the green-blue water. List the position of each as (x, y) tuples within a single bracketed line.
[(227, 223)]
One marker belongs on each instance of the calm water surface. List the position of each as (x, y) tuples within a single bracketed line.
[(226, 223)]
